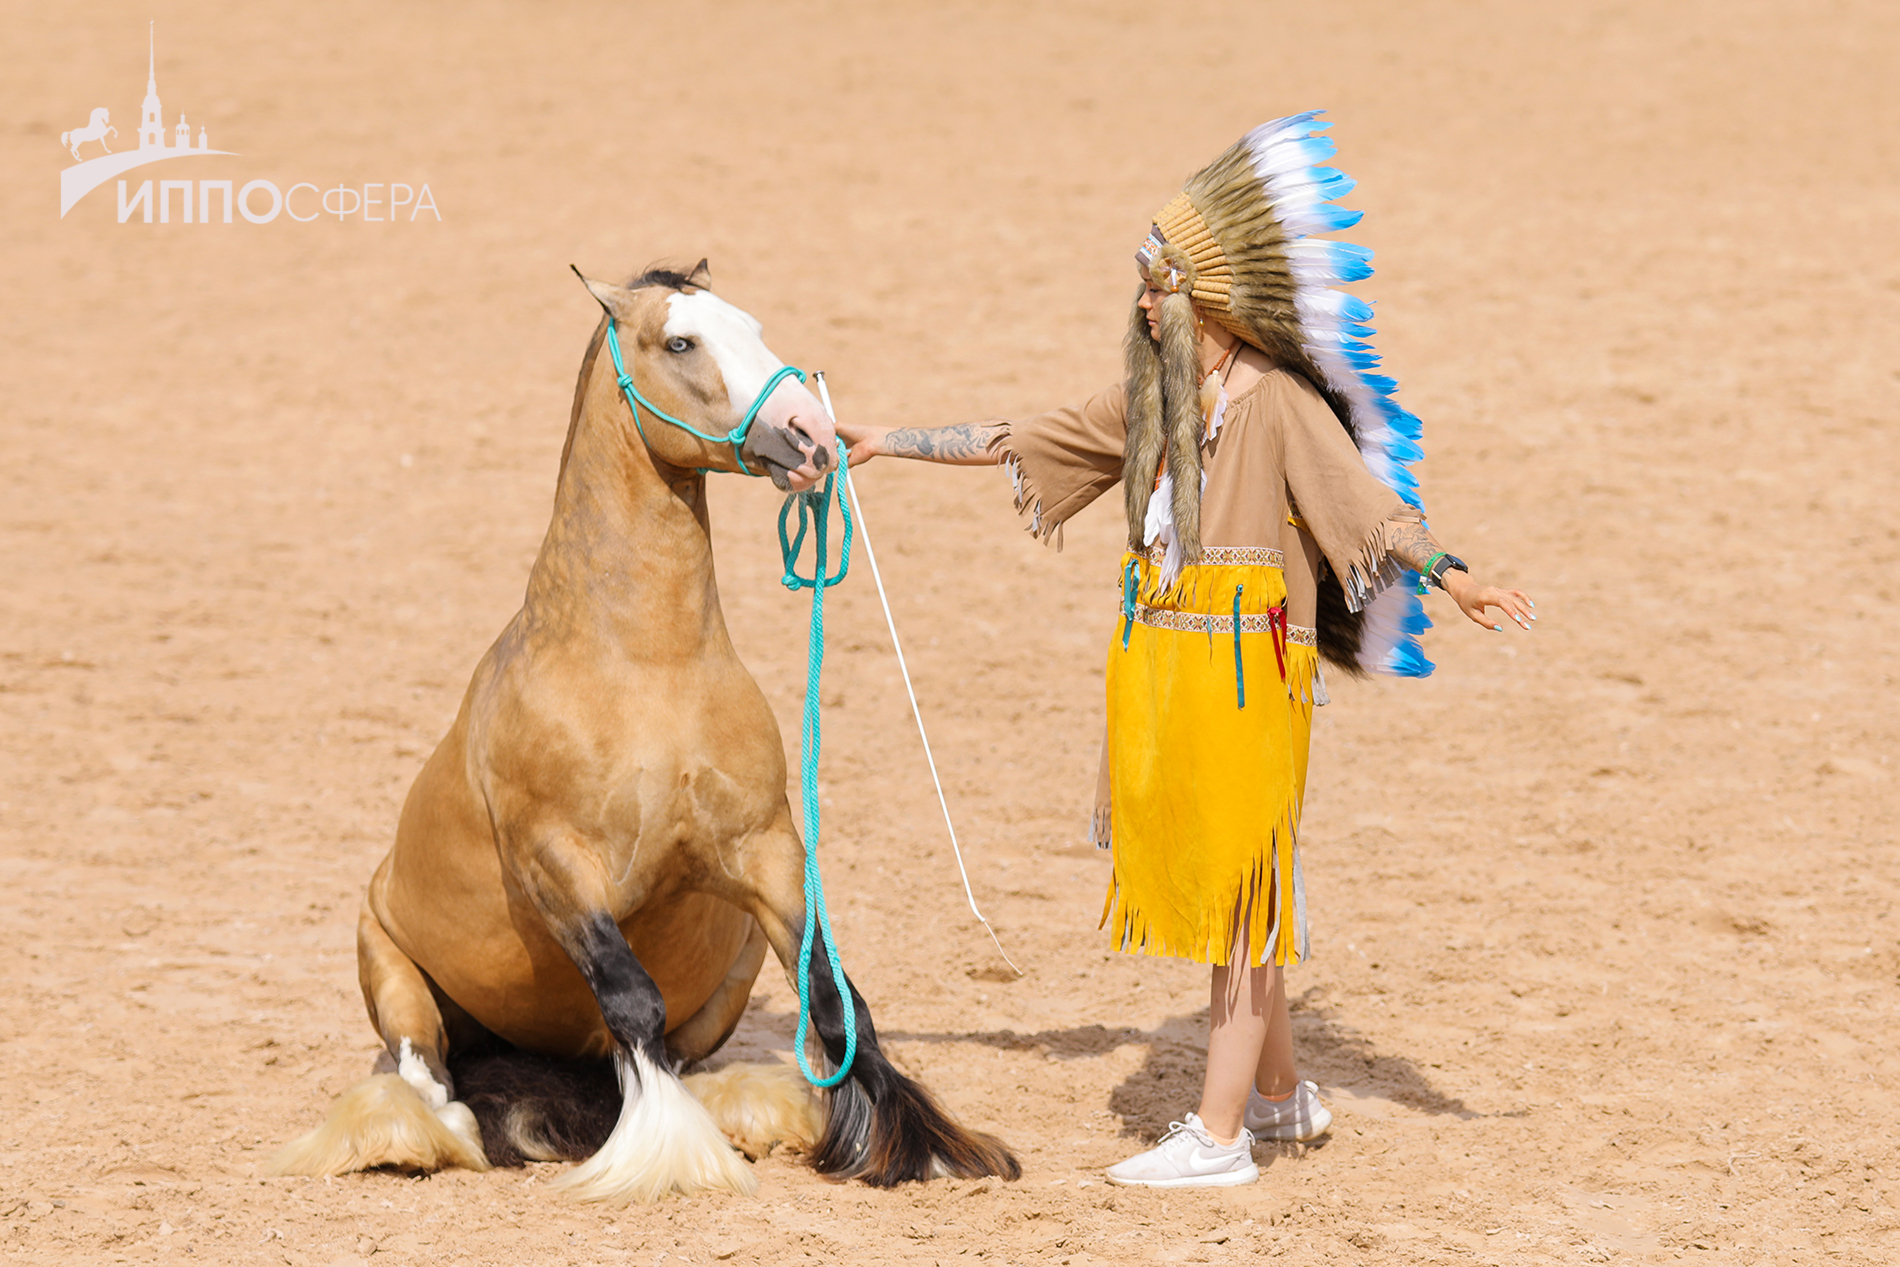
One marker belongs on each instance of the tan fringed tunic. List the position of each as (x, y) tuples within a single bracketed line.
[(1202, 774)]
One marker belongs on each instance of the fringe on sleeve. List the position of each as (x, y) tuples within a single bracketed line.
[(1028, 497), (1374, 567), (1062, 460)]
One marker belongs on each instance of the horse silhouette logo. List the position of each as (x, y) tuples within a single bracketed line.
[(156, 142), (97, 130)]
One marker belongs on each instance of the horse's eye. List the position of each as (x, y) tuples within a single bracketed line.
[(677, 344)]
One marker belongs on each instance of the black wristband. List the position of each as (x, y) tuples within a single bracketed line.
[(1445, 564)]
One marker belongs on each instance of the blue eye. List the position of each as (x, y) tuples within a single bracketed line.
[(677, 344)]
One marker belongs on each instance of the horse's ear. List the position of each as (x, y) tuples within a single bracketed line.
[(701, 276), (606, 294)]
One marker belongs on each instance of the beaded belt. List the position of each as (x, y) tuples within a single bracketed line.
[(1252, 556), (1198, 622)]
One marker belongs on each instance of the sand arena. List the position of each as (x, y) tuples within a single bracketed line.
[(1606, 949)]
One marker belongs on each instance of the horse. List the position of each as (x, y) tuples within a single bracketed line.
[(96, 130), (590, 867)]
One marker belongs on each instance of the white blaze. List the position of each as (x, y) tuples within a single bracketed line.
[(733, 337)]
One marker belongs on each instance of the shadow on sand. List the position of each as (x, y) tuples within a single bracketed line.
[(1168, 1083)]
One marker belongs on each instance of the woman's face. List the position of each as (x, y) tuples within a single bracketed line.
[(1150, 304)]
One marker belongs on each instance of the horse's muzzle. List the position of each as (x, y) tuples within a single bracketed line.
[(793, 438)]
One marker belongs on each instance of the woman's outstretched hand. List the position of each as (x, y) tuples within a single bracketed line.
[(1475, 600), (862, 440)]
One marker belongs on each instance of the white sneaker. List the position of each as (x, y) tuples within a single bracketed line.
[(1189, 1157), (1300, 1116)]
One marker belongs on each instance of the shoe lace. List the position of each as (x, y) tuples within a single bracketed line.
[(1174, 1128)]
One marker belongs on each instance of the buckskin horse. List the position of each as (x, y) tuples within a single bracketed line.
[(590, 867)]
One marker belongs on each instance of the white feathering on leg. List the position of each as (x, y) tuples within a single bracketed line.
[(665, 1141)]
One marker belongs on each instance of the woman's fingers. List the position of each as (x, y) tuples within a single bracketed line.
[(1515, 604)]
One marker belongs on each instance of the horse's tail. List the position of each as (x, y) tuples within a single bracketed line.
[(384, 1121), (539, 1108), (65, 138)]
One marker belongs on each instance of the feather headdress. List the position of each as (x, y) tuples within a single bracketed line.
[(1237, 241)]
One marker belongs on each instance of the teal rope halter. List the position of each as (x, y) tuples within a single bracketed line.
[(814, 512), (814, 509), (735, 437)]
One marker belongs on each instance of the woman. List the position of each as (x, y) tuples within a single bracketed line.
[(1271, 521)]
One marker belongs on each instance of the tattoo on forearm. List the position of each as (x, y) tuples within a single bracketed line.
[(964, 444), (1412, 544)]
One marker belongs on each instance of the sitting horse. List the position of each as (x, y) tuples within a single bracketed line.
[(593, 862), (96, 130)]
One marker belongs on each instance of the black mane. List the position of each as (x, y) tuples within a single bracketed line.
[(658, 275)]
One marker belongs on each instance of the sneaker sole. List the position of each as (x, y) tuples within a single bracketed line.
[(1232, 1179), (1311, 1131)]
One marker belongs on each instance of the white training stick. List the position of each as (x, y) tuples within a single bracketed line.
[(864, 535)]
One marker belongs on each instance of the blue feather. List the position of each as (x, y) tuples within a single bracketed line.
[(1353, 308), (1403, 450), (1332, 219), (1350, 260), (1408, 660), (1309, 151), (1330, 182)]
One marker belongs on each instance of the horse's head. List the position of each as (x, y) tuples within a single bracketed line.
[(702, 360)]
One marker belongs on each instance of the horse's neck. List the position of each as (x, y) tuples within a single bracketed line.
[(627, 557)]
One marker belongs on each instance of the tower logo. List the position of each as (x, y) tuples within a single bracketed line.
[(88, 174), (258, 201)]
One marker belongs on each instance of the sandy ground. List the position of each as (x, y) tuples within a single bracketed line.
[(1607, 951)]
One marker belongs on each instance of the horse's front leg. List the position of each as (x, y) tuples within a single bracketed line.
[(882, 1127), (665, 1141)]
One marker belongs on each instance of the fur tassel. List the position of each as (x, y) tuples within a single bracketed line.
[(1164, 416), (1141, 456), (1181, 411)]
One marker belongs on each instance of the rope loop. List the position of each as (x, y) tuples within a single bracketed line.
[(814, 514)]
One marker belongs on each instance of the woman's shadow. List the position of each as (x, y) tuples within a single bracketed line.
[(1331, 1052)]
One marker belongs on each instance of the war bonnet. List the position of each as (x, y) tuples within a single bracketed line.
[(1237, 242)]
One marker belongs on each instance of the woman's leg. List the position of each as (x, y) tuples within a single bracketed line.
[(1276, 1076), (1238, 1015)]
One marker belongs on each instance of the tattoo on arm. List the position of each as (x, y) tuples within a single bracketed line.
[(966, 444), (1412, 543)]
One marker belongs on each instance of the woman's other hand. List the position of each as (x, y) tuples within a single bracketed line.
[(1476, 600)]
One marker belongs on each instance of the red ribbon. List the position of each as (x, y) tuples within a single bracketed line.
[(1276, 625)]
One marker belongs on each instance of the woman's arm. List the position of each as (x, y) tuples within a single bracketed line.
[(1412, 543), (964, 444)]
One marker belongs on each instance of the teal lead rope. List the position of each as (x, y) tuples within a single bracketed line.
[(814, 512)]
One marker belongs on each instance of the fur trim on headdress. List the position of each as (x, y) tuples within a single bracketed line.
[(1141, 453), (1164, 403), (1238, 231), (1181, 409)]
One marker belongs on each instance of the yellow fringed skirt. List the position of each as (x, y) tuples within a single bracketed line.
[(1208, 730)]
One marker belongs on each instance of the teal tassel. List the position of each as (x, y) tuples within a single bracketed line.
[(1240, 676)]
